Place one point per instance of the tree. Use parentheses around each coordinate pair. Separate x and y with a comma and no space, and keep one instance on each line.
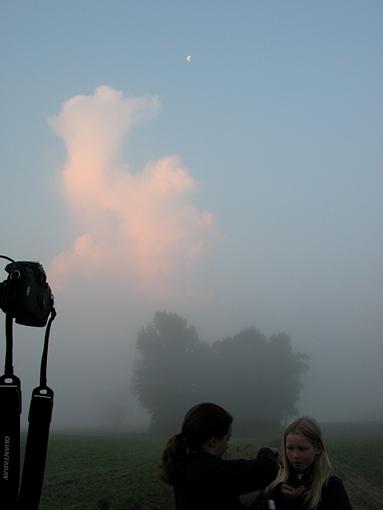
(166,376)
(265,379)
(256,379)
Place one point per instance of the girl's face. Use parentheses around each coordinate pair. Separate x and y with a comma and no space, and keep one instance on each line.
(300,452)
(218,446)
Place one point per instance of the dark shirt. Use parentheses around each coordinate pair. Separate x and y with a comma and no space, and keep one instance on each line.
(211,483)
(333,496)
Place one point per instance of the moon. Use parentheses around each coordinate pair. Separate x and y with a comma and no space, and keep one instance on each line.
(188,58)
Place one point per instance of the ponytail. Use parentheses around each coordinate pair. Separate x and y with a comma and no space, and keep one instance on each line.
(173,458)
(201,422)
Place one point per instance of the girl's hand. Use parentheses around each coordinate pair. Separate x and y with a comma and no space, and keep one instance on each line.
(290,493)
(277,455)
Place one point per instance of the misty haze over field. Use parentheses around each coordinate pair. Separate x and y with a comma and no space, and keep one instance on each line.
(240,187)
(91,356)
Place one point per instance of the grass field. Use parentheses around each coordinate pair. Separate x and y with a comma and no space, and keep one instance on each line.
(119,472)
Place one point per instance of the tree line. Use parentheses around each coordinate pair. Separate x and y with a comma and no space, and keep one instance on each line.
(257,379)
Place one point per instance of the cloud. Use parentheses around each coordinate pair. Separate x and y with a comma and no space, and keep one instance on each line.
(139,225)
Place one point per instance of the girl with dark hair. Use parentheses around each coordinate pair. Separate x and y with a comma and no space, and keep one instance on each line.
(192,463)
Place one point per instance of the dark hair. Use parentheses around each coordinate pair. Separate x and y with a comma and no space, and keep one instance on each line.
(201,422)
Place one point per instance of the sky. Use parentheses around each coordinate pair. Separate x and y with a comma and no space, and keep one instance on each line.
(217,159)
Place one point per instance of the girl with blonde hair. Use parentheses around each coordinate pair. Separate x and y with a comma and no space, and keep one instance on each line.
(306,479)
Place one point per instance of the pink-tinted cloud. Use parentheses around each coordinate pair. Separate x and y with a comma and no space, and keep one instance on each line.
(142,225)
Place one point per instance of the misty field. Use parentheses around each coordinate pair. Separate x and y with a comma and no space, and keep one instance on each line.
(119,472)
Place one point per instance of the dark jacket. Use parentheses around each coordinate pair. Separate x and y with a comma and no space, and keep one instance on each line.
(211,483)
(333,496)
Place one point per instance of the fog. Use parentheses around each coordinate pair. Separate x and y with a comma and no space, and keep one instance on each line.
(295,252)
(93,337)
(240,187)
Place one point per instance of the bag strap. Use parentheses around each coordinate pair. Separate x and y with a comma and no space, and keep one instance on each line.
(40,414)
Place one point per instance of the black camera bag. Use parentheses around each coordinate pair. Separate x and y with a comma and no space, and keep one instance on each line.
(27,296)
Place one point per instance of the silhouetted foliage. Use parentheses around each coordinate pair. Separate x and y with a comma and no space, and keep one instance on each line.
(256,379)
(166,376)
(261,379)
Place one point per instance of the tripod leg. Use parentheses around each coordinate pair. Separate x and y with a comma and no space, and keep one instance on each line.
(10,408)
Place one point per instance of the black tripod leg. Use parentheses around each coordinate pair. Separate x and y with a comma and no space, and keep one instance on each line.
(10,410)
(40,414)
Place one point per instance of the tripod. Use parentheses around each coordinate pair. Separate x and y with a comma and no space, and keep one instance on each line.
(27,496)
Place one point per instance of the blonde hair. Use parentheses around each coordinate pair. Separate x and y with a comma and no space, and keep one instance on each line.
(321,467)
